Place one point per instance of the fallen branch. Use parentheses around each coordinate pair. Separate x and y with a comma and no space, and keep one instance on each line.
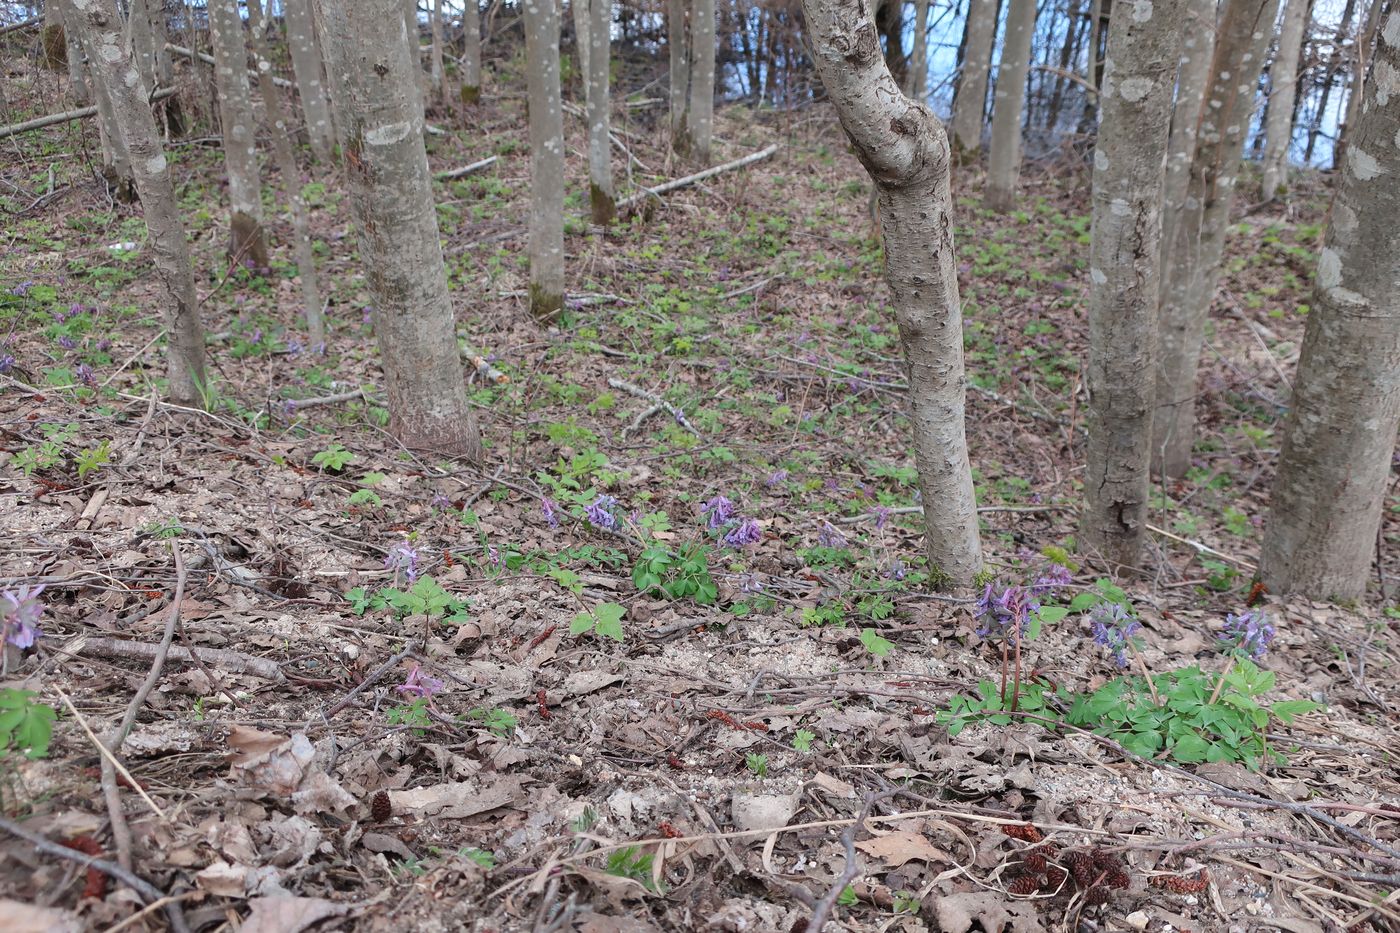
(82,113)
(209,60)
(234,661)
(23,24)
(848,873)
(631,201)
(656,400)
(1200,548)
(466,169)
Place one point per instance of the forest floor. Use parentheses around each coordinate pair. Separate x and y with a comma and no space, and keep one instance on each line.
(307,768)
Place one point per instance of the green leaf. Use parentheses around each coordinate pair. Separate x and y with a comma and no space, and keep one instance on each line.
(609,616)
(583,622)
(1191,748)
(874,643)
(1288,710)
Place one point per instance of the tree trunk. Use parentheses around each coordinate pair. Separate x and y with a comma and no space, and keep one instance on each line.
(701,111)
(116,75)
(678,48)
(600,177)
(1135,109)
(1337,447)
(143,42)
(471,53)
(306,65)
(116,163)
(247,243)
(78,91)
(971,103)
(435,76)
(381,135)
(1197,50)
(1283,85)
(1329,80)
(582,46)
(905,150)
(546,159)
(1360,67)
(1192,268)
(918,63)
(290,175)
(1004,166)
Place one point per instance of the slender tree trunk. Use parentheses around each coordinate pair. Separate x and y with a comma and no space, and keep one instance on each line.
(119,79)
(143,42)
(678,48)
(546,159)
(381,134)
(701,111)
(600,177)
(1283,85)
(905,150)
(247,242)
(918,63)
(290,174)
(1329,80)
(1198,237)
(1069,52)
(1337,447)
(1197,50)
(78,91)
(1360,67)
(435,77)
(116,163)
(971,102)
(471,53)
(1004,166)
(582,46)
(306,65)
(1135,110)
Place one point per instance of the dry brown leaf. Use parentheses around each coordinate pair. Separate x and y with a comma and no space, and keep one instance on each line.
(454,801)
(989,910)
(16,917)
(900,846)
(288,914)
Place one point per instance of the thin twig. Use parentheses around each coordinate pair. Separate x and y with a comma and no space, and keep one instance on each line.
(106,753)
(848,839)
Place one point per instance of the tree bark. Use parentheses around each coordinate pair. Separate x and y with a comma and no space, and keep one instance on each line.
(247,243)
(1192,268)
(381,136)
(678,49)
(546,159)
(905,150)
(1283,85)
(701,110)
(1135,105)
(306,66)
(918,61)
(471,53)
(582,47)
(1360,67)
(1197,50)
(1004,166)
(435,75)
(600,188)
(118,79)
(78,91)
(116,163)
(1340,436)
(971,102)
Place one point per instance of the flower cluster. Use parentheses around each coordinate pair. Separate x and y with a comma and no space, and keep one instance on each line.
(550,509)
(1000,608)
(735,530)
(1248,632)
(403,560)
(746,531)
(830,537)
(418,684)
(19,615)
(718,511)
(603,513)
(1114,628)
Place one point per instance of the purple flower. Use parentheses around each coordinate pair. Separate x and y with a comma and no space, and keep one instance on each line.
(22,289)
(882,515)
(289,407)
(104,345)
(85,375)
(7,362)
(439,501)
(830,537)
(418,684)
(750,583)
(403,560)
(745,532)
(1052,580)
(776,477)
(718,511)
(600,513)
(550,508)
(294,348)
(896,569)
(1114,629)
(1249,632)
(66,342)
(999,608)
(493,557)
(19,615)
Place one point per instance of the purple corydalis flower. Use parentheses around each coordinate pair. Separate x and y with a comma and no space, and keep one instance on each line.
(1113,629)
(746,532)
(294,348)
(830,537)
(600,513)
(550,509)
(85,375)
(19,615)
(66,342)
(1052,580)
(776,477)
(882,515)
(896,570)
(418,684)
(7,362)
(999,608)
(22,289)
(440,501)
(718,511)
(1248,632)
(403,560)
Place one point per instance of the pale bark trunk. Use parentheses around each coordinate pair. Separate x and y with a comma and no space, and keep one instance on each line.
(143,42)
(276,116)
(1135,106)
(1360,67)
(918,63)
(546,159)
(1283,85)
(78,91)
(116,163)
(1004,161)
(1192,268)
(381,134)
(471,53)
(306,66)
(678,48)
(582,46)
(701,111)
(247,242)
(905,150)
(1337,447)
(601,197)
(435,76)
(1197,50)
(117,75)
(971,101)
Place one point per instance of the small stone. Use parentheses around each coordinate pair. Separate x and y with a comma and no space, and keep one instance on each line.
(1137,920)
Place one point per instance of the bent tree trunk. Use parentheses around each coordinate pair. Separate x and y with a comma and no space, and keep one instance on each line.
(1283,85)
(381,137)
(116,76)
(247,243)
(600,178)
(1192,268)
(546,160)
(1135,106)
(904,148)
(1004,162)
(306,66)
(1337,447)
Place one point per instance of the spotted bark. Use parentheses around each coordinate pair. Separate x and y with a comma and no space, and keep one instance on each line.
(971,102)
(1004,161)
(247,242)
(546,159)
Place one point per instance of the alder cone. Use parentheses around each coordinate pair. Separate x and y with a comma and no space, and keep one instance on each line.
(1024,885)
(379,807)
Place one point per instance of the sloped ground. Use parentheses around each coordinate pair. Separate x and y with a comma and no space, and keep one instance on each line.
(446,755)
